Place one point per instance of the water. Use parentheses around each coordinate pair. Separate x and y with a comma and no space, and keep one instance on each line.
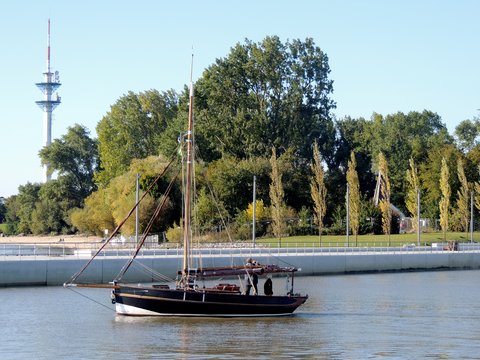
(432,315)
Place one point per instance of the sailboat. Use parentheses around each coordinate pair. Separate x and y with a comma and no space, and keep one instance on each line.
(189,297)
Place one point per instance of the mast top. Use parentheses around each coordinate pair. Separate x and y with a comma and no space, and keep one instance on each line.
(48,47)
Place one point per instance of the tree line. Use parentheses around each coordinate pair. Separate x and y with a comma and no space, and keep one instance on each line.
(264,110)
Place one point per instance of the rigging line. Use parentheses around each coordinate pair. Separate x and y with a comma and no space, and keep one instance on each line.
(146,270)
(154,273)
(278,258)
(75,276)
(89,298)
(148,228)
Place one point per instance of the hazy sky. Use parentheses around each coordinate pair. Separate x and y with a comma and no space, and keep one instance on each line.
(385,56)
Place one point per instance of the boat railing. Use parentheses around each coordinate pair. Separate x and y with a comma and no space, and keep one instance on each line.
(73,250)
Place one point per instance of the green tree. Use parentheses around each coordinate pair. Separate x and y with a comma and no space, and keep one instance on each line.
(318,189)
(430,174)
(74,156)
(232,180)
(399,137)
(466,133)
(20,207)
(353,135)
(52,208)
(463,197)
(384,200)
(3,209)
(355,196)
(277,198)
(444,205)
(210,214)
(412,191)
(264,95)
(477,192)
(132,129)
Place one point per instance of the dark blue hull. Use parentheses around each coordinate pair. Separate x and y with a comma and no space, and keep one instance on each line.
(148,300)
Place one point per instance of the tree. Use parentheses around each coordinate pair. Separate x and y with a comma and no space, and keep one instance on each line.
(132,130)
(261,212)
(399,137)
(53,206)
(276,197)
(430,174)
(444,205)
(96,214)
(108,206)
(412,193)
(20,207)
(466,133)
(244,220)
(209,213)
(353,135)
(231,180)
(3,209)
(75,156)
(463,197)
(477,192)
(318,189)
(354,198)
(384,199)
(264,95)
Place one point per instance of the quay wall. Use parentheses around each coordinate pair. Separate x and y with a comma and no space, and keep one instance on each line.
(56,271)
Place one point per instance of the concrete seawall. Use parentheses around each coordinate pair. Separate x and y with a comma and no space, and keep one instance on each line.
(56,271)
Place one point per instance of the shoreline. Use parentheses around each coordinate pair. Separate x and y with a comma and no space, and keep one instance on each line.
(56,269)
(56,239)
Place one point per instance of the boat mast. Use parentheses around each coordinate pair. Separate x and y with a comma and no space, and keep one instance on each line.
(188,185)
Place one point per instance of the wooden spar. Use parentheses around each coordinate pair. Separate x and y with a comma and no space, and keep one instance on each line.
(188,184)
(75,276)
(241,270)
(96,286)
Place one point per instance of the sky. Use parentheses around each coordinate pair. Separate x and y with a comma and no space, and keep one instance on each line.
(385,57)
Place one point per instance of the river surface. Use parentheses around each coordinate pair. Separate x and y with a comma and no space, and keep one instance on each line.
(422,315)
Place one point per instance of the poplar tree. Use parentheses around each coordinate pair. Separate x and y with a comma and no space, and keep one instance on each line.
(318,189)
(477,192)
(445,200)
(354,198)
(463,195)
(412,191)
(385,195)
(277,198)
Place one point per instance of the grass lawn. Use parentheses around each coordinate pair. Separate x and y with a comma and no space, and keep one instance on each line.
(366,240)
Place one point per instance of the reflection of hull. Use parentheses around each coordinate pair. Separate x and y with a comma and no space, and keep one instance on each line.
(146,300)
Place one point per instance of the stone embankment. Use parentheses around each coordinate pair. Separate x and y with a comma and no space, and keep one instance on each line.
(34,266)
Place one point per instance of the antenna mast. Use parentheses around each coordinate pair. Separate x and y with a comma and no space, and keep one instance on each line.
(51,82)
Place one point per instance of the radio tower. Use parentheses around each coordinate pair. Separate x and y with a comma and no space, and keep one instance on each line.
(51,82)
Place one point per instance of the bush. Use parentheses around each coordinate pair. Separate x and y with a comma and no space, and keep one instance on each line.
(7,229)
(175,234)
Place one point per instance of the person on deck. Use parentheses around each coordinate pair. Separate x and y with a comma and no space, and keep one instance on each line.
(255,282)
(268,287)
(248,284)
